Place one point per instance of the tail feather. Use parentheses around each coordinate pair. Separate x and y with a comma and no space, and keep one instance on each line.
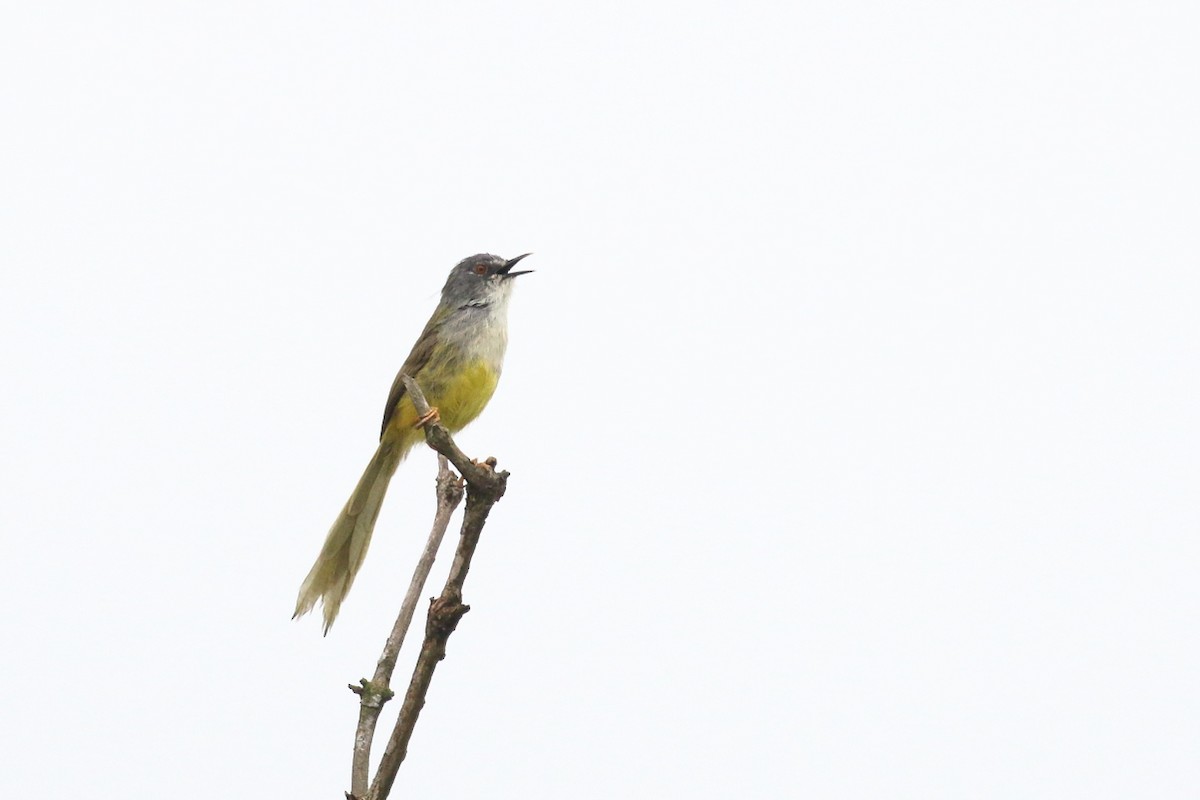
(345,547)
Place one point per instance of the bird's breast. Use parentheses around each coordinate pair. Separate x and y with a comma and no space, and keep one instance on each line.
(467,393)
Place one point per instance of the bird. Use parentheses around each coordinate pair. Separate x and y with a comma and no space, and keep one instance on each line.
(457,362)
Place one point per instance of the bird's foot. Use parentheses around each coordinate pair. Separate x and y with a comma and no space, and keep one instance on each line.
(433,417)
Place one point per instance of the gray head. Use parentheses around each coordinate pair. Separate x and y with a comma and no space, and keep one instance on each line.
(480,280)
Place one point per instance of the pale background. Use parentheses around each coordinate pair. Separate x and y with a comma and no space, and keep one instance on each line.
(851,411)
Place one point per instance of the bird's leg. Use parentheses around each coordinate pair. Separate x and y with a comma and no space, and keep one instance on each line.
(432,417)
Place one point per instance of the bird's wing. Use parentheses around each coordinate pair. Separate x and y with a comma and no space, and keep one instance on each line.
(418,358)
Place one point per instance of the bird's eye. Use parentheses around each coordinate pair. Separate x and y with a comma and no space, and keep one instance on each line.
(480,269)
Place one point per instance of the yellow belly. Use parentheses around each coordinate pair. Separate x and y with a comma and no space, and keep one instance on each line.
(459,398)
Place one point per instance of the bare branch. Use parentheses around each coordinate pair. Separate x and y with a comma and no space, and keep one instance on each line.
(377,691)
(484,487)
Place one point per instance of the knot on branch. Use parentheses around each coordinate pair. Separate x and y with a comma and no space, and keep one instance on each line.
(444,614)
(370,694)
(485,482)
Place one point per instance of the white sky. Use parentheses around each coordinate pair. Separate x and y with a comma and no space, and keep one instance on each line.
(850,411)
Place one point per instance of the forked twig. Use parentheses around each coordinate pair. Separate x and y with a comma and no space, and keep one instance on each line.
(484,486)
(377,691)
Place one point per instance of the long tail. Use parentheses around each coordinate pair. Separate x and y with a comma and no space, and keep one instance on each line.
(345,547)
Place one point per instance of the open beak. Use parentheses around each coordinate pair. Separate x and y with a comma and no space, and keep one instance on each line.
(506,270)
